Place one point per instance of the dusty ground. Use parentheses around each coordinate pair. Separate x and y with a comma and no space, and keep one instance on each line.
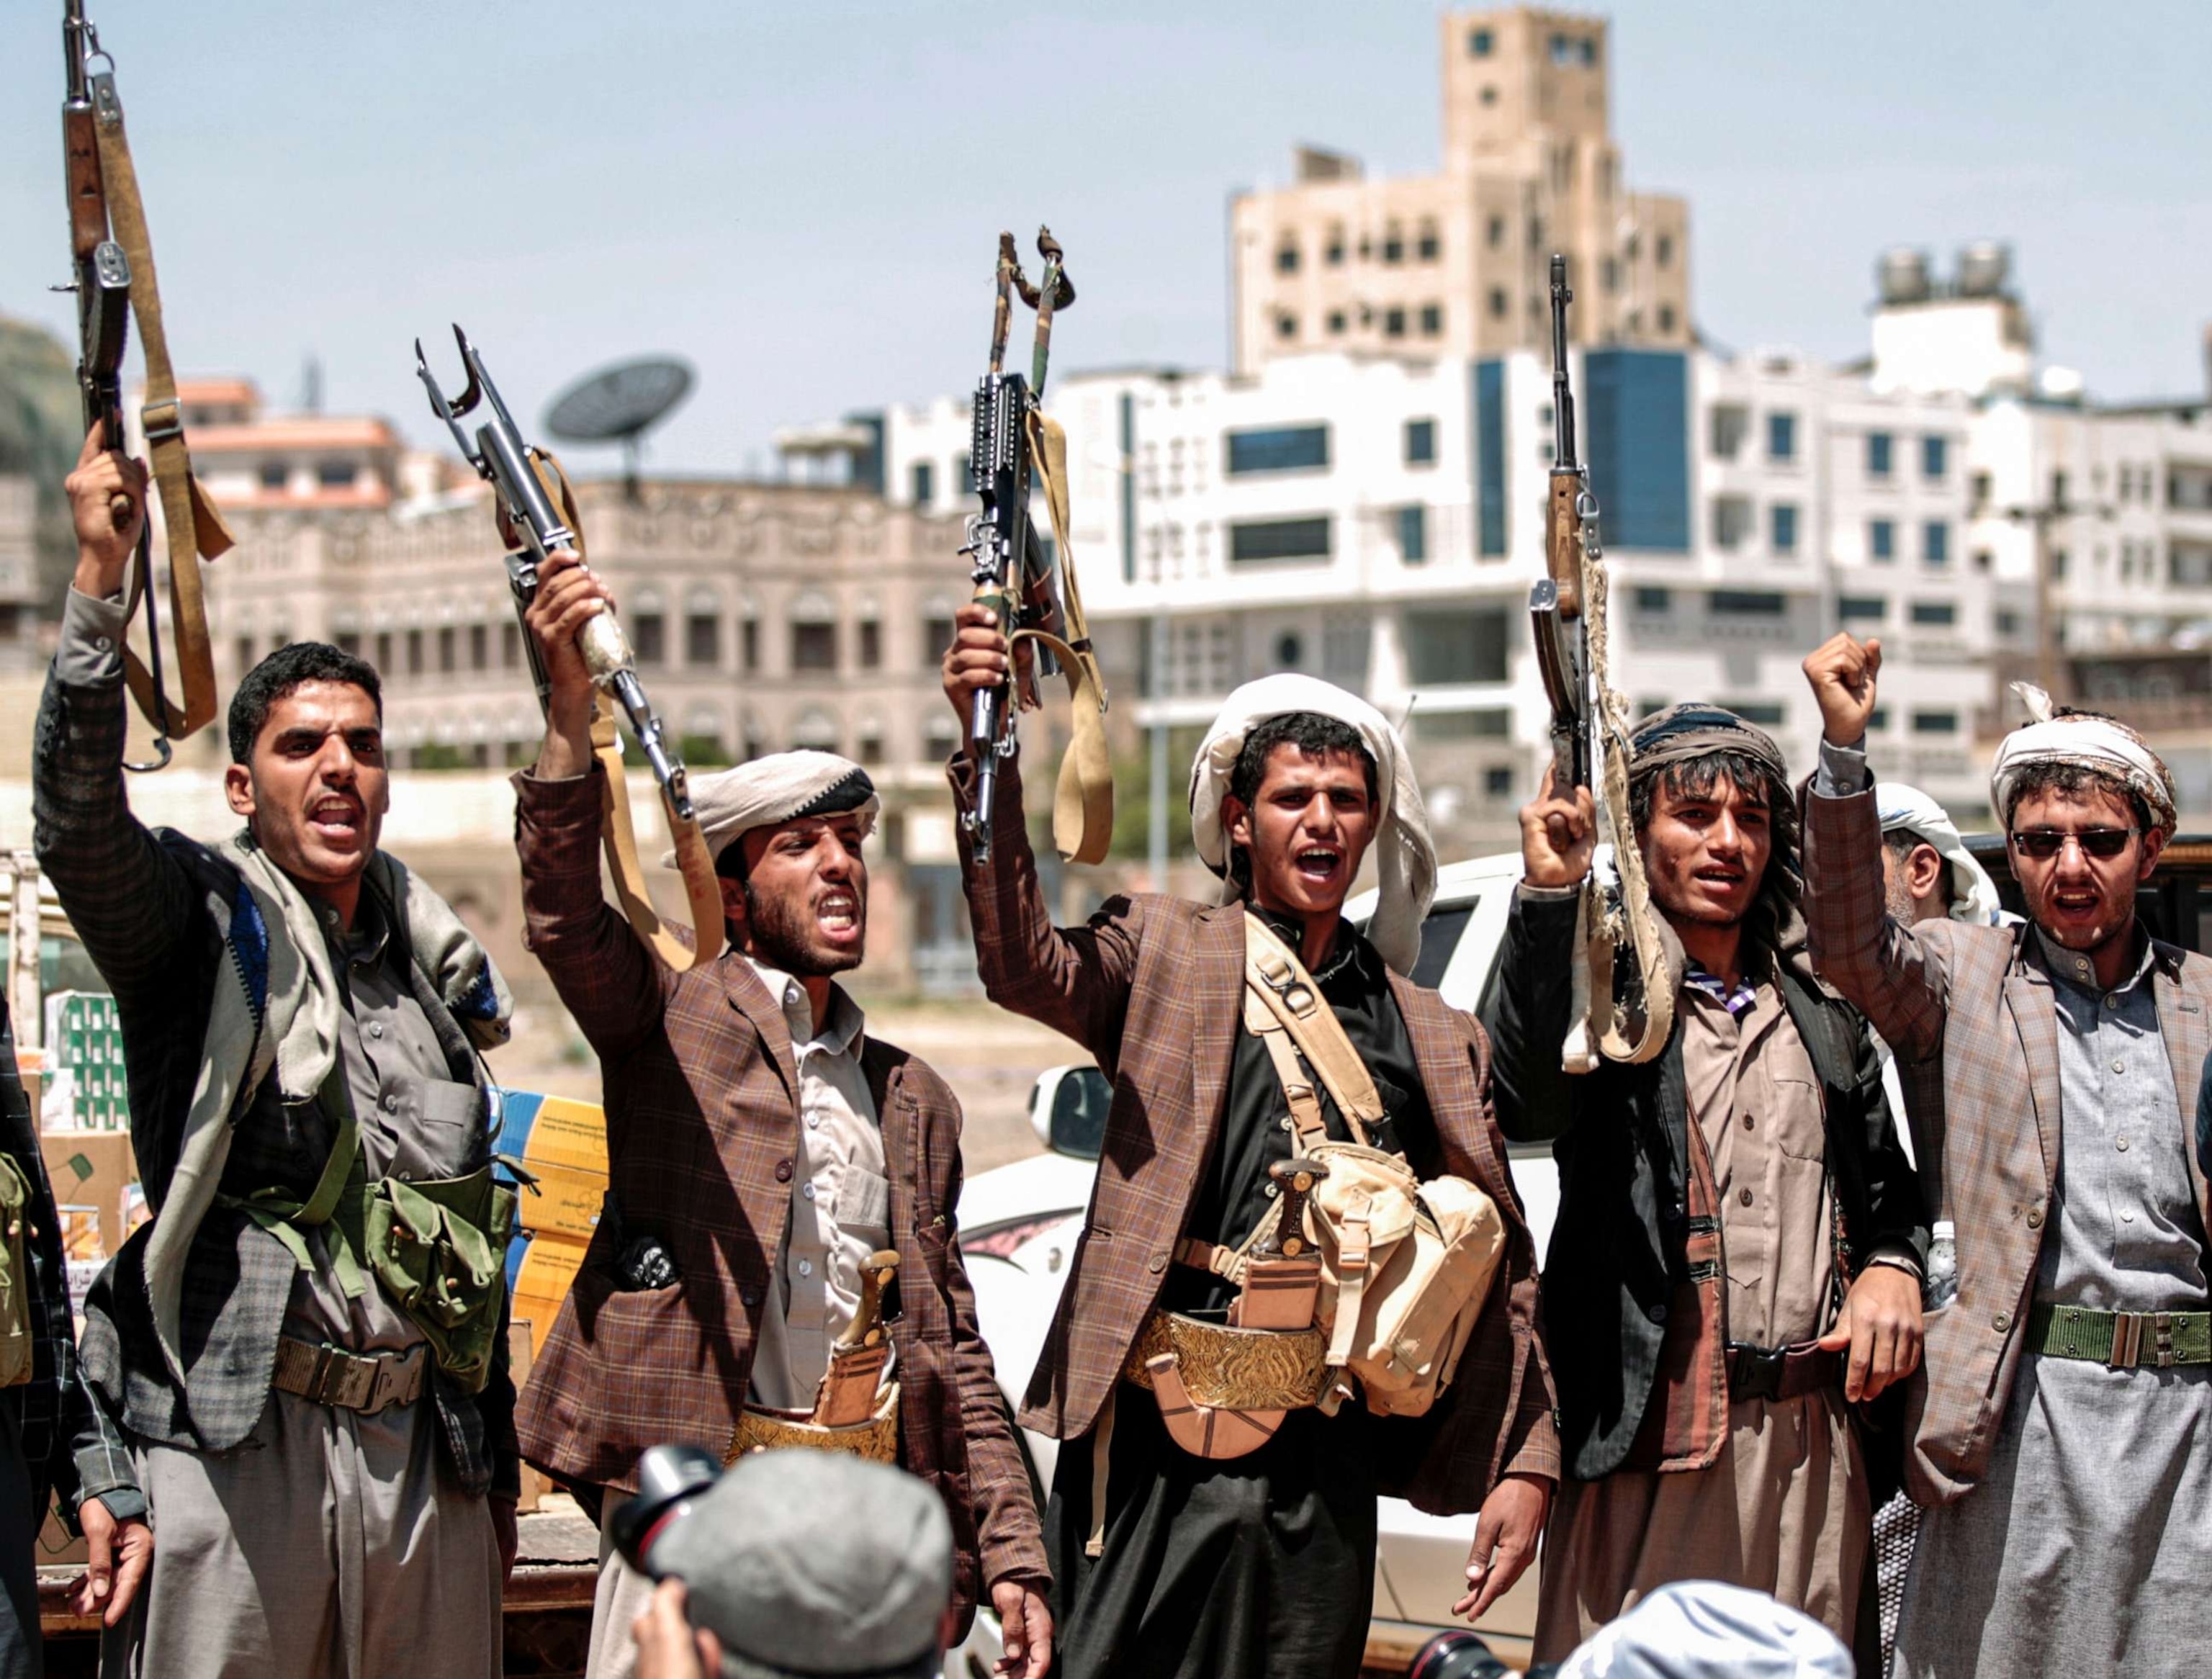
(989,1057)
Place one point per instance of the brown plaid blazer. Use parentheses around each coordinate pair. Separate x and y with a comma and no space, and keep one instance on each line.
(1968,1012)
(1153,987)
(703,1125)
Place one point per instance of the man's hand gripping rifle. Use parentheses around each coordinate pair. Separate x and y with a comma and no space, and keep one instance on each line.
(1630,1014)
(1031,591)
(112,259)
(537,513)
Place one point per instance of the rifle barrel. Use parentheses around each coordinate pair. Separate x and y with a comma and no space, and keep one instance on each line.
(1563,396)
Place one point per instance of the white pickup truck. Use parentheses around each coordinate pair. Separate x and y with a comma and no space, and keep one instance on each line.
(1018,1229)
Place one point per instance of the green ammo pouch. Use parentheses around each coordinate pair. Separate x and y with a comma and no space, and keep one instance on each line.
(16,1340)
(439,1246)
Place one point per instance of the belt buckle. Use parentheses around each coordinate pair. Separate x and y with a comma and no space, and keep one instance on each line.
(1755,1373)
(2129,1328)
(343,1380)
(394,1378)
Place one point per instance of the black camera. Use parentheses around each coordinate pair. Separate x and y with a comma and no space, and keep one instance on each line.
(1465,1655)
(671,1479)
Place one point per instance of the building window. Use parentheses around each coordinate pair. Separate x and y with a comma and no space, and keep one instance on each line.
(1286,325)
(2005,622)
(1745,604)
(1257,540)
(963,476)
(1782,437)
(335,474)
(348,641)
(1638,420)
(1934,722)
(1731,522)
(1494,235)
(1662,250)
(813,647)
(1935,456)
(1862,608)
(1490,457)
(1654,600)
(510,647)
(1765,714)
(1286,258)
(703,640)
(1498,782)
(1608,274)
(1394,244)
(648,637)
(274,475)
(1498,304)
(384,665)
(1878,451)
(1432,320)
(1881,539)
(1393,323)
(871,645)
(1445,648)
(1666,317)
(1420,442)
(1478,43)
(447,644)
(1413,534)
(1278,449)
(1336,323)
(923,475)
(479,647)
(868,744)
(937,628)
(1782,527)
(1934,614)
(1430,246)
(748,644)
(814,731)
(1935,542)
(414,653)
(1725,426)
(244,647)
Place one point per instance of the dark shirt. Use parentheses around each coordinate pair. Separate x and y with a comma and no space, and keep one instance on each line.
(1255,1126)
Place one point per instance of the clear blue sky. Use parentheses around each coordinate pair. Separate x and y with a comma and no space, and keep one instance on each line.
(802,198)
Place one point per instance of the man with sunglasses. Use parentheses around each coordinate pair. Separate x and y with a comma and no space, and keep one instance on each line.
(2055,1064)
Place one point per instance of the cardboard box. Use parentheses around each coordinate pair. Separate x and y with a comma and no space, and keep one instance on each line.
(94,1169)
(521,1345)
(563,1144)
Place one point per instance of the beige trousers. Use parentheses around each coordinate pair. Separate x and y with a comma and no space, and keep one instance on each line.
(621,1595)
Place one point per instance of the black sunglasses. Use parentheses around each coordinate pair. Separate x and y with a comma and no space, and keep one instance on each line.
(2045,843)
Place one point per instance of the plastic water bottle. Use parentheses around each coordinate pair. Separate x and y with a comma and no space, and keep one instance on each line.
(1942,1264)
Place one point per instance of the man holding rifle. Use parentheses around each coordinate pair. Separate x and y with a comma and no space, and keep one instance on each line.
(2059,1434)
(770,1161)
(312,1378)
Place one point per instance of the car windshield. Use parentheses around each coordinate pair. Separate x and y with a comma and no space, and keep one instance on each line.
(1440,936)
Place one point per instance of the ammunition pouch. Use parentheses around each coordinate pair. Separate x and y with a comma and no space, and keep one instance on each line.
(760,1428)
(439,1247)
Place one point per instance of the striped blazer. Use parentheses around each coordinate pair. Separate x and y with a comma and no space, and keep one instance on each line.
(1970,1015)
(1152,987)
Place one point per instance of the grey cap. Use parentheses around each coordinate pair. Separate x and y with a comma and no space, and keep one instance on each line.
(814,1563)
(1703,1629)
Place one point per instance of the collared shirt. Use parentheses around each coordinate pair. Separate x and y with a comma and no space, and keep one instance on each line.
(839,1198)
(416,1122)
(1756,1099)
(2128,1234)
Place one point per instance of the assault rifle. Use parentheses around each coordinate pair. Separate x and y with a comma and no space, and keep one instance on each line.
(1630,1015)
(113,260)
(1012,574)
(537,513)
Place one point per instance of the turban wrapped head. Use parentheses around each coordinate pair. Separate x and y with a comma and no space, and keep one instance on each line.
(2103,746)
(1405,857)
(1907,809)
(782,788)
(1694,729)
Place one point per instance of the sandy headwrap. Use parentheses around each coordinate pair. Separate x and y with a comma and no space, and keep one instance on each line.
(1692,729)
(1405,858)
(780,787)
(1907,809)
(2100,744)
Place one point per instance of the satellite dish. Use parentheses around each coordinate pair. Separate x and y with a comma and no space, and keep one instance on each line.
(620,404)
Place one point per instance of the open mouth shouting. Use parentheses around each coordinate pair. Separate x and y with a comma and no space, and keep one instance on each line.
(837,918)
(337,820)
(1317,866)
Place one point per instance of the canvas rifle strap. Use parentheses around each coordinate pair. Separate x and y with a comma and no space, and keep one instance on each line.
(702,892)
(1083,800)
(194,527)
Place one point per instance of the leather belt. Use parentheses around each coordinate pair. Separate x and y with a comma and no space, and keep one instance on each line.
(2121,1339)
(350,1381)
(1781,1372)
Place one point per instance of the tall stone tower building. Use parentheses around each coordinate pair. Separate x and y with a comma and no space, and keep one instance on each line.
(1457,263)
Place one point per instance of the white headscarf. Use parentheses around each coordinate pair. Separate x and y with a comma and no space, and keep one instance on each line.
(2110,749)
(732,803)
(1405,859)
(1908,810)
(1702,1629)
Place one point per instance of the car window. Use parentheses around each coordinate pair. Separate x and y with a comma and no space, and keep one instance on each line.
(1440,936)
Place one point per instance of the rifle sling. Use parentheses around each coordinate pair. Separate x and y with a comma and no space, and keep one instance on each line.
(193,525)
(702,892)
(1083,799)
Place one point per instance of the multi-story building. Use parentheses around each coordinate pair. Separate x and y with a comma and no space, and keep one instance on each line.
(1457,263)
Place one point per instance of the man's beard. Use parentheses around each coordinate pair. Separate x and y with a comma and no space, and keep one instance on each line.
(781,932)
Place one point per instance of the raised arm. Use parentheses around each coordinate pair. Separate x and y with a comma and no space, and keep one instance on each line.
(1075,980)
(1527,1017)
(608,980)
(126,897)
(1894,977)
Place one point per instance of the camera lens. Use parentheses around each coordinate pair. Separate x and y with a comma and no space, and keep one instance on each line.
(668,1478)
(1456,1656)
